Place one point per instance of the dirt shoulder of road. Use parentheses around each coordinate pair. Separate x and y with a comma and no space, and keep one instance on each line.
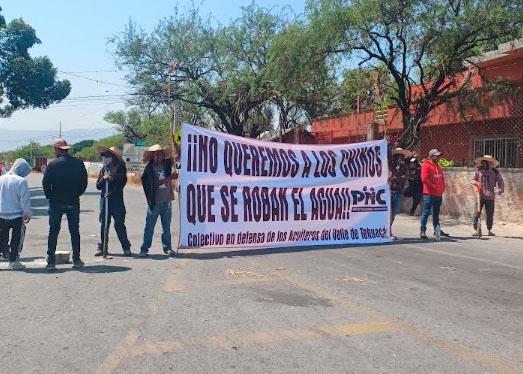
(460,228)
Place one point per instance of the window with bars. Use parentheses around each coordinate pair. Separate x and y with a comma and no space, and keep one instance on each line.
(503,149)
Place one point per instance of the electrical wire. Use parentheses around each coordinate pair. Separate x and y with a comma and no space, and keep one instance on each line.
(94,80)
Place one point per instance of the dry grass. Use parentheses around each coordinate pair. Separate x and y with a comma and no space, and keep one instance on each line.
(134,179)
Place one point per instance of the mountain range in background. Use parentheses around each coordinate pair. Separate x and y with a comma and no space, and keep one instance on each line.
(12,139)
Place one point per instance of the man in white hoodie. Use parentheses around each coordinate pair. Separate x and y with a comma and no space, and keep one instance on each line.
(15,210)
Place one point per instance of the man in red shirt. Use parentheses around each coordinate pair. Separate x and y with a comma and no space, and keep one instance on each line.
(433,181)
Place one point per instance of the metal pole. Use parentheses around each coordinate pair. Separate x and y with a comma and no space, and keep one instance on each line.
(106,220)
(171,103)
(60,130)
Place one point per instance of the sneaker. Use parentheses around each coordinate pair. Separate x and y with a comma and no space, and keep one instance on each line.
(475,233)
(142,254)
(78,264)
(16,265)
(490,233)
(423,235)
(50,267)
(99,253)
(437,232)
(127,253)
(171,253)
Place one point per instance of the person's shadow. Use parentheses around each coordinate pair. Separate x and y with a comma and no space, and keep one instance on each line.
(90,269)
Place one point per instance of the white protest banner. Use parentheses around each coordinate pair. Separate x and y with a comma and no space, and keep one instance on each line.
(241,192)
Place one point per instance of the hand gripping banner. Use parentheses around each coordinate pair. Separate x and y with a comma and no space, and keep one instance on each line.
(240,192)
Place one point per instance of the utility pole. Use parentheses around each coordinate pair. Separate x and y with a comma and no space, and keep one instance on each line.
(60,136)
(30,149)
(170,102)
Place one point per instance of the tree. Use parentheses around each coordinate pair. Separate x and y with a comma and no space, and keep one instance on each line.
(30,151)
(428,48)
(364,89)
(91,153)
(136,124)
(77,147)
(25,82)
(304,82)
(218,73)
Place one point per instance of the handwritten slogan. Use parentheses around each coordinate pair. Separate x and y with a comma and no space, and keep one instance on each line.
(240,192)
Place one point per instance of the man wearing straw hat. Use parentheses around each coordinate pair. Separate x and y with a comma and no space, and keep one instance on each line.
(486,179)
(65,180)
(114,173)
(399,175)
(157,186)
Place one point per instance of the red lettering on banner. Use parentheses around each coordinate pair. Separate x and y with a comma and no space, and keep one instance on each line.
(202,154)
(260,204)
(200,202)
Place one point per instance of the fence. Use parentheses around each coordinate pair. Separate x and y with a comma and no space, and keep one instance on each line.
(496,130)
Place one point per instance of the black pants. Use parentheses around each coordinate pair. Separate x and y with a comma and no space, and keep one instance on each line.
(489,208)
(117,213)
(55,222)
(15,227)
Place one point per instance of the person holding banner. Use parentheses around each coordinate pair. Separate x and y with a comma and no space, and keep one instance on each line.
(114,173)
(15,210)
(157,185)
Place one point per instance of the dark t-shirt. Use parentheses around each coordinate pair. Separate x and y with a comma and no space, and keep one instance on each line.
(165,192)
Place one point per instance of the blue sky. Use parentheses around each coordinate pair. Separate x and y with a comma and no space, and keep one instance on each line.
(74,35)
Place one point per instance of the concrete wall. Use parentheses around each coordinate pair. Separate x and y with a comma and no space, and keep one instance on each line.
(459,200)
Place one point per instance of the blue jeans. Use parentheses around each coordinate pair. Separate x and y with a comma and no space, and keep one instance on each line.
(431,204)
(395,206)
(164,210)
(117,212)
(56,212)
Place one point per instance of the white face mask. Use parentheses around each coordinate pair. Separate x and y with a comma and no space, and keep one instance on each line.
(107,160)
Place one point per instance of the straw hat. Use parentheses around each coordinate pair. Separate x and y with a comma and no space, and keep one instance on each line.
(493,162)
(148,155)
(400,151)
(113,150)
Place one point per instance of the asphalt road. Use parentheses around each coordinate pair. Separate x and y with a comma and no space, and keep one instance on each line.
(454,306)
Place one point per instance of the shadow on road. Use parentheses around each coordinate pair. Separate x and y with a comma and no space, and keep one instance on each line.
(269,251)
(96,269)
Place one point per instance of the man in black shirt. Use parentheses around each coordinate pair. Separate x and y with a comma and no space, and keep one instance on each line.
(65,180)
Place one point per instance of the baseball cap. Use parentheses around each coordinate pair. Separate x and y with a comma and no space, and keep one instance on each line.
(61,143)
(434,152)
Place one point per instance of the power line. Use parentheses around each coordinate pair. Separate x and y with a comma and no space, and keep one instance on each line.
(91,71)
(77,105)
(94,80)
(96,96)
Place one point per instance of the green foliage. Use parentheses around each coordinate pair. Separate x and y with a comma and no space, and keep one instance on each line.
(91,153)
(77,147)
(365,89)
(25,82)
(303,80)
(444,163)
(30,151)
(219,73)
(137,125)
(431,45)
